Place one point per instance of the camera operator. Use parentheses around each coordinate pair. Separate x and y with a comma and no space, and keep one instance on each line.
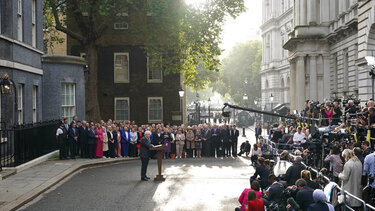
(274,193)
(350,109)
(337,113)
(263,173)
(299,138)
(335,162)
(294,172)
(304,195)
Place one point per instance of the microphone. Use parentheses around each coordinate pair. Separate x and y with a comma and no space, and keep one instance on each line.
(293,203)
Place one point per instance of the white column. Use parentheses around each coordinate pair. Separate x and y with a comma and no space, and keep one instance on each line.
(311,18)
(300,82)
(297,10)
(303,12)
(313,78)
(326,77)
(292,88)
(324,11)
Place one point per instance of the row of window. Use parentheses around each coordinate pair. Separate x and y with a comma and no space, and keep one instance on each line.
(121,108)
(121,68)
(20,21)
(155,109)
(20,102)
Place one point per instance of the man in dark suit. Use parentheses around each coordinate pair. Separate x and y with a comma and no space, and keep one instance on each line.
(304,195)
(83,139)
(226,141)
(274,192)
(215,140)
(72,140)
(234,133)
(263,172)
(206,137)
(145,154)
(294,171)
(91,141)
(258,132)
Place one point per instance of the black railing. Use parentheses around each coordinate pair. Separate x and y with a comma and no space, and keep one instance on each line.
(23,143)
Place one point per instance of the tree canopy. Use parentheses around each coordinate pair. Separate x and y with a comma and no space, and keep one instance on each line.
(186,37)
(242,64)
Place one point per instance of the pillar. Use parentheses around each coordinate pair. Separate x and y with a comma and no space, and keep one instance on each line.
(297,10)
(326,77)
(300,82)
(313,78)
(303,12)
(311,18)
(292,85)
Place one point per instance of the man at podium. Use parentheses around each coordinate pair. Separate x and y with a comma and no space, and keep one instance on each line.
(145,154)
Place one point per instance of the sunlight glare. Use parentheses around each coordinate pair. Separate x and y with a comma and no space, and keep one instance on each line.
(195,3)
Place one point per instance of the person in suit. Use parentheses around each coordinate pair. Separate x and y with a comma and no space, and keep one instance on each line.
(75,121)
(125,139)
(294,171)
(234,133)
(263,172)
(226,141)
(92,137)
(215,138)
(61,137)
(206,137)
(83,139)
(258,132)
(66,125)
(111,142)
(274,192)
(304,195)
(144,154)
(72,140)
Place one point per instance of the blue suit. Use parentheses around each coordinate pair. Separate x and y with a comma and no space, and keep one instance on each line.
(125,138)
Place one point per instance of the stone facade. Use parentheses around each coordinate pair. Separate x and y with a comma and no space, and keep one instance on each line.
(326,49)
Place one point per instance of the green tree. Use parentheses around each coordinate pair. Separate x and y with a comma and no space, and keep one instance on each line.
(184,36)
(242,64)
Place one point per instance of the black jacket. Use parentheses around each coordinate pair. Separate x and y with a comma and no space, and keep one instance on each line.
(263,173)
(294,173)
(234,134)
(83,135)
(91,136)
(145,148)
(72,133)
(275,192)
(225,135)
(304,198)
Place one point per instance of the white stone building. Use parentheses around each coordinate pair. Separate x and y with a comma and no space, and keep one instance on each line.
(326,42)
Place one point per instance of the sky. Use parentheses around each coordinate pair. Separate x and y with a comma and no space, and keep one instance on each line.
(244,28)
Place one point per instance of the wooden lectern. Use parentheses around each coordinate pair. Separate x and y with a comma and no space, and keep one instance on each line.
(159,155)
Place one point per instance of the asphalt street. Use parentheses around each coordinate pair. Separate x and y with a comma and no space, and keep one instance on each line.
(191,184)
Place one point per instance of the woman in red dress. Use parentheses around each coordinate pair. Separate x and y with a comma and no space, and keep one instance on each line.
(99,141)
(254,204)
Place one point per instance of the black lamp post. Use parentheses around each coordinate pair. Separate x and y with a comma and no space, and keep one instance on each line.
(181,92)
(209,111)
(6,90)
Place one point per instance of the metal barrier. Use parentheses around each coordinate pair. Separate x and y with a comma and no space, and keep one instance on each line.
(23,143)
(274,149)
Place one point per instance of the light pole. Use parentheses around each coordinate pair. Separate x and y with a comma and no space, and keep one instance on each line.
(209,111)
(245,98)
(6,90)
(181,92)
(271,99)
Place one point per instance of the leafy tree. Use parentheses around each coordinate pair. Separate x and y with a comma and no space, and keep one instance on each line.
(242,64)
(184,36)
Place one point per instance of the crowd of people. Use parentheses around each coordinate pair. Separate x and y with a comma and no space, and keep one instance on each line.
(113,139)
(342,138)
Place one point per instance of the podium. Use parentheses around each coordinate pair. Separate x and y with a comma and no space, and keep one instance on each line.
(159,154)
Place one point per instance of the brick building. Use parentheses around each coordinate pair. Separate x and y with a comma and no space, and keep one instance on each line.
(131,85)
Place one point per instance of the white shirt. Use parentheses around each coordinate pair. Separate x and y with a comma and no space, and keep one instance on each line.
(59,131)
(299,137)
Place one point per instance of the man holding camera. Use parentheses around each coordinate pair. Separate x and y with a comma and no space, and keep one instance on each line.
(274,193)
(304,196)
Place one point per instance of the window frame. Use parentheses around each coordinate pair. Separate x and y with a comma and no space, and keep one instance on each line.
(150,68)
(20,20)
(20,100)
(148,110)
(114,67)
(71,106)
(115,108)
(35,104)
(33,23)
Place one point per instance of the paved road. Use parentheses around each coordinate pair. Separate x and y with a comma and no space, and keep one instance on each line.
(192,184)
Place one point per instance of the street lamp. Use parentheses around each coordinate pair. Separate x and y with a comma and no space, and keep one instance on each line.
(209,111)
(181,92)
(5,86)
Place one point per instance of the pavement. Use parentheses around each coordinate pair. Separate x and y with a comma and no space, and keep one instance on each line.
(192,184)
